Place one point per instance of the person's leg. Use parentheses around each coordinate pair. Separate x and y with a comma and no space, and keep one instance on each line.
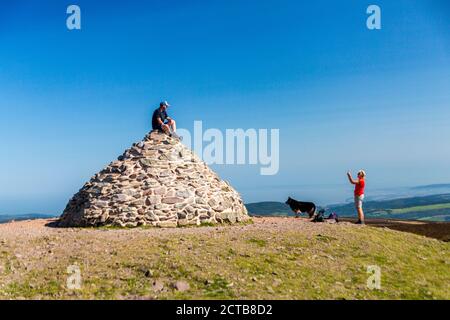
(360,214)
(173,125)
(165,128)
(172,129)
(357,207)
(359,210)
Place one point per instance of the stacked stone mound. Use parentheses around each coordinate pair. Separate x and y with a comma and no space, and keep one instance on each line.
(157,182)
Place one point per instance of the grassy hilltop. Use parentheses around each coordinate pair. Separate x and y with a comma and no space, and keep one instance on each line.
(272,258)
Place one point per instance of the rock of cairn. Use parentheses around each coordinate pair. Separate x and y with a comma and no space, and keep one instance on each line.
(157,182)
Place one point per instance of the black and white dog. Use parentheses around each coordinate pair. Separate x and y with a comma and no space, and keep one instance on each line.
(301,207)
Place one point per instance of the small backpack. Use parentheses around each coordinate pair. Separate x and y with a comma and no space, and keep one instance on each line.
(318,217)
(334,216)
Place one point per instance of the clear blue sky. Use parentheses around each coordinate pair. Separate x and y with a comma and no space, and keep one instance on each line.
(343,97)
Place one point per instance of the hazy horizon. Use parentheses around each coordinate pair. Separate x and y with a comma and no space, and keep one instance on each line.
(344,97)
(323,195)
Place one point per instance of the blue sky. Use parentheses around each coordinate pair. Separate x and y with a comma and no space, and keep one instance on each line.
(343,97)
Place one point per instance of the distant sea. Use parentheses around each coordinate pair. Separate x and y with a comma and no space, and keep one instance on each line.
(4,218)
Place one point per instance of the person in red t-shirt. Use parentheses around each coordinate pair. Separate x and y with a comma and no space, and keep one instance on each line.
(359,193)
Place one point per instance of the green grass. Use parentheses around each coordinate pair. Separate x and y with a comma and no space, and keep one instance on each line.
(234,262)
(421,208)
(258,242)
(440,218)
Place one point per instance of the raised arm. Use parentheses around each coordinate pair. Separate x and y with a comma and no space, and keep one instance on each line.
(349,175)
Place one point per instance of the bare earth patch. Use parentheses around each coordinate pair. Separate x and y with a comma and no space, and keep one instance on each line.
(273,258)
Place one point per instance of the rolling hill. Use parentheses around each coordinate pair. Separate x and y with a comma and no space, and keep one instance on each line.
(268,208)
(429,208)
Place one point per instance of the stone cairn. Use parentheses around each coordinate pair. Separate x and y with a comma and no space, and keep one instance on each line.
(157,182)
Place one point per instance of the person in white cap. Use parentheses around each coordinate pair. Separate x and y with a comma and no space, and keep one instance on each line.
(162,122)
(360,184)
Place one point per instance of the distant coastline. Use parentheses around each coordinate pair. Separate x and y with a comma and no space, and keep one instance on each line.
(5,218)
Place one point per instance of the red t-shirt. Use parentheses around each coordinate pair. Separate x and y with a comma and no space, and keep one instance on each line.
(359,187)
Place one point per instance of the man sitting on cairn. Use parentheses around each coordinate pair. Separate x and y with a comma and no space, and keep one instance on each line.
(162,122)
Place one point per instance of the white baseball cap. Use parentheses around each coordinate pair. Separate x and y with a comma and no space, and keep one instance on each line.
(164,103)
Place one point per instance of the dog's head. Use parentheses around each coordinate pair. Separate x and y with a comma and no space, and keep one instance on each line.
(289,201)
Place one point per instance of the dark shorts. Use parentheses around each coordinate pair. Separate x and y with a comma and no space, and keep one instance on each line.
(159,127)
